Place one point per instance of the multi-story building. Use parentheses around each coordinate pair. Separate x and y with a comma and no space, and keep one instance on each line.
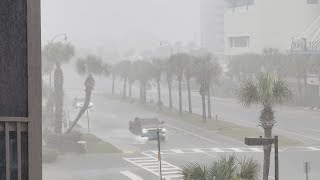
(252,25)
(212,26)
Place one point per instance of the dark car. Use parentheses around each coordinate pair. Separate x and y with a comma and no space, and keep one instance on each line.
(147,127)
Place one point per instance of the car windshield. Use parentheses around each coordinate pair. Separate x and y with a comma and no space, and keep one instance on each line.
(232,86)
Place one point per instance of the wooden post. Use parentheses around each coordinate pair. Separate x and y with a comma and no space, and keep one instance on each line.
(276,156)
(159,153)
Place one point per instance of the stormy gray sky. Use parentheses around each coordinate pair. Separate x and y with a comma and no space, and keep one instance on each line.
(108,25)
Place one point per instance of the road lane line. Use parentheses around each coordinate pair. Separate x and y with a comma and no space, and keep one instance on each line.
(271,177)
(192,134)
(131,175)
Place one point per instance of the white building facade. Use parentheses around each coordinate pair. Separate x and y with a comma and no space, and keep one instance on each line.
(257,24)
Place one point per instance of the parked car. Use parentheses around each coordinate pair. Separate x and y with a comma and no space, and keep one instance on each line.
(148,127)
(79,102)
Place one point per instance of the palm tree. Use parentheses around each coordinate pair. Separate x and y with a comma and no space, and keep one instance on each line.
(158,67)
(206,72)
(88,66)
(122,69)
(225,168)
(180,62)
(188,74)
(169,73)
(143,73)
(58,53)
(268,92)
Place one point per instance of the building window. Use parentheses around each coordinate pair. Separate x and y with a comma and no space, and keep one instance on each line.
(237,42)
(312,1)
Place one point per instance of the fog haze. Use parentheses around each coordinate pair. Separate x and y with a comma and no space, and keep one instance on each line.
(120,24)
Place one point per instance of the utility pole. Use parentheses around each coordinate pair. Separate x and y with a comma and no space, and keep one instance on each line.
(159,154)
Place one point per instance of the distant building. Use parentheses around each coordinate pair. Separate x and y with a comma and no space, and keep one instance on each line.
(212,26)
(252,25)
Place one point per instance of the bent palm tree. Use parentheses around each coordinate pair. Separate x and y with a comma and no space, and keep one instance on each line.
(268,92)
(58,53)
(89,66)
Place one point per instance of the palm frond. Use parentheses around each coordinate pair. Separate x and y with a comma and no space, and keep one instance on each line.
(281,92)
(194,171)
(248,93)
(248,169)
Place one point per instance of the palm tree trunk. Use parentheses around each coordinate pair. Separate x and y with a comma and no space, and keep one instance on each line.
(266,154)
(145,92)
(159,93)
(170,95)
(113,79)
(89,87)
(130,89)
(58,86)
(124,87)
(189,95)
(209,104)
(300,90)
(180,96)
(204,116)
(141,92)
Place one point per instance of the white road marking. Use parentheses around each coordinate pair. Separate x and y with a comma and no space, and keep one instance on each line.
(150,164)
(314,148)
(236,149)
(178,151)
(192,134)
(217,150)
(131,175)
(256,149)
(271,177)
(198,150)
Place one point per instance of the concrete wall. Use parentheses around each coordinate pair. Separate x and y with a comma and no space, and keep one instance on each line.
(269,23)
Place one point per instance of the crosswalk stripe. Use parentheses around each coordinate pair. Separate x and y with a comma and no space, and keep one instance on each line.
(151,160)
(314,148)
(172,176)
(198,150)
(143,164)
(217,150)
(171,172)
(177,151)
(236,149)
(256,149)
(131,175)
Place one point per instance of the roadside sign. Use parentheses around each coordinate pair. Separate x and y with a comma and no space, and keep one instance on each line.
(258,141)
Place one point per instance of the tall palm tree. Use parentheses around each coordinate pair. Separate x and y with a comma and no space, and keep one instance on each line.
(225,168)
(188,74)
(268,92)
(180,62)
(158,67)
(58,53)
(143,73)
(88,66)
(169,73)
(122,69)
(206,72)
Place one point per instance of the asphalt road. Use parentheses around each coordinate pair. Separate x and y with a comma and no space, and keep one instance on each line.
(295,122)
(185,144)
